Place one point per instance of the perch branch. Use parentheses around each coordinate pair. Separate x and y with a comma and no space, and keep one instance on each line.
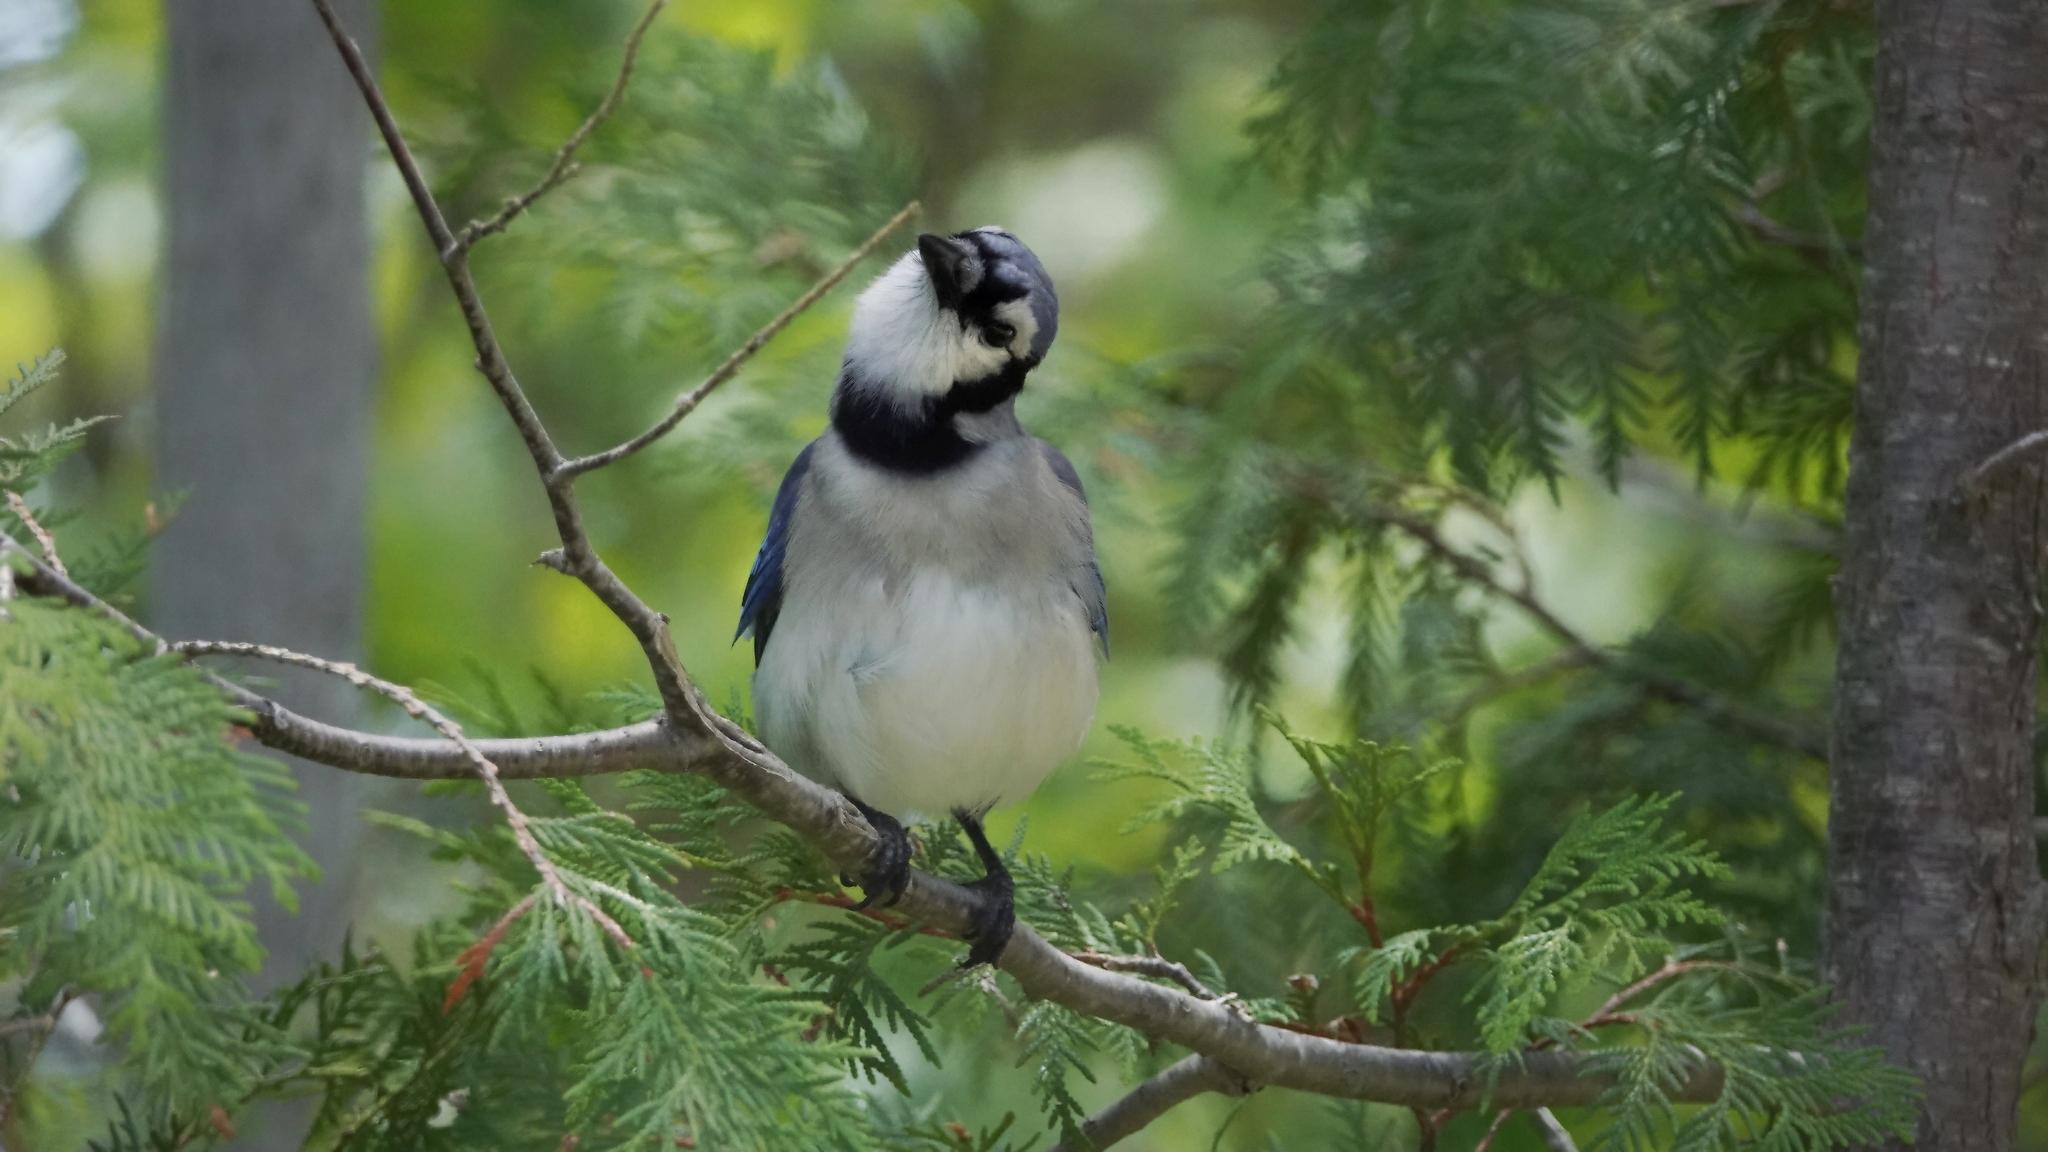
(648,744)
(418,709)
(731,365)
(1154,1098)
(565,166)
(1264,1054)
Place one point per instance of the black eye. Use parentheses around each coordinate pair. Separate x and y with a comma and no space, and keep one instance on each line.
(997,335)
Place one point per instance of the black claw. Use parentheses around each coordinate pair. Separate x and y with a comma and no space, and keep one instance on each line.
(995,917)
(888,870)
(995,914)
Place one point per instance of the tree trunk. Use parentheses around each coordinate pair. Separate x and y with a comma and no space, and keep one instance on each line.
(1935,910)
(265,366)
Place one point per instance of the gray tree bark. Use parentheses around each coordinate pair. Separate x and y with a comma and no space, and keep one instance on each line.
(1935,910)
(265,364)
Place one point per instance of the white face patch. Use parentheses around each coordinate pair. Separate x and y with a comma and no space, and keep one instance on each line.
(1018,315)
(902,341)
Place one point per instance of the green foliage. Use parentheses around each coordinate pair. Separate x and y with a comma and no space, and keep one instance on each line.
(1606,899)
(837,963)
(130,832)
(1610,911)
(698,232)
(26,459)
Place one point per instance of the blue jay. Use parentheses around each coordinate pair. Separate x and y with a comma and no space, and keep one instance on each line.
(926,606)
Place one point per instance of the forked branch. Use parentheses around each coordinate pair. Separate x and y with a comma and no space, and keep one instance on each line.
(439,721)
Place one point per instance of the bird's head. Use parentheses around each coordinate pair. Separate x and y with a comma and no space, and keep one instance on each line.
(973,310)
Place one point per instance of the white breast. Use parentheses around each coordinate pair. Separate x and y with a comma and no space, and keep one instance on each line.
(919,685)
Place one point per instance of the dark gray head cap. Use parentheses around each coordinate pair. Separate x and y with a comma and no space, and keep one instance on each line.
(1009,260)
(975,271)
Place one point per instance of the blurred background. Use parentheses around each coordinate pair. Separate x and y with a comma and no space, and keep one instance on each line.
(1203,180)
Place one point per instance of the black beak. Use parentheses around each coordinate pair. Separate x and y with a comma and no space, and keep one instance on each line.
(950,264)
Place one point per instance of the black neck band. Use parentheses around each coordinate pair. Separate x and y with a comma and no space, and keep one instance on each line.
(921,439)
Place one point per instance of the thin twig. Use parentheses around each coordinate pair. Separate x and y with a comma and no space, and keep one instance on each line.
(44,540)
(679,698)
(730,367)
(1978,479)
(419,709)
(565,166)
(1771,230)
(647,745)
(1500,1120)
(1671,970)
(1752,722)
(27,1060)
(1158,967)
(1555,1137)
(1152,1099)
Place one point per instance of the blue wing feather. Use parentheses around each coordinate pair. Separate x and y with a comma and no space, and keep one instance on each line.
(1095,596)
(761,603)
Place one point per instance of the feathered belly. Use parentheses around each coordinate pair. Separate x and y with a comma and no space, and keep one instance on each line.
(941,696)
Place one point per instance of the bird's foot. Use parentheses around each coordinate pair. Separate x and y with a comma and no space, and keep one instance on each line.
(888,870)
(994,918)
(995,913)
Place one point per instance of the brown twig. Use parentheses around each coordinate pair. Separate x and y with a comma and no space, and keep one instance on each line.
(1158,967)
(44,540)
(579,556)
(1178,1083)
(731,365)
(522,831)
(565,166)
(1500,1120)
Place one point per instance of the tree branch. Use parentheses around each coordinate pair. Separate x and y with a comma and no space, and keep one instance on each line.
(730,367)
(1264,1053)
(522,832)
(734,760)
(1154,1098)
(648,744)
(580,558)
(564,166)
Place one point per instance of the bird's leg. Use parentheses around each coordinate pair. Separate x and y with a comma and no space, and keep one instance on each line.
(888,869)
(995,916)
